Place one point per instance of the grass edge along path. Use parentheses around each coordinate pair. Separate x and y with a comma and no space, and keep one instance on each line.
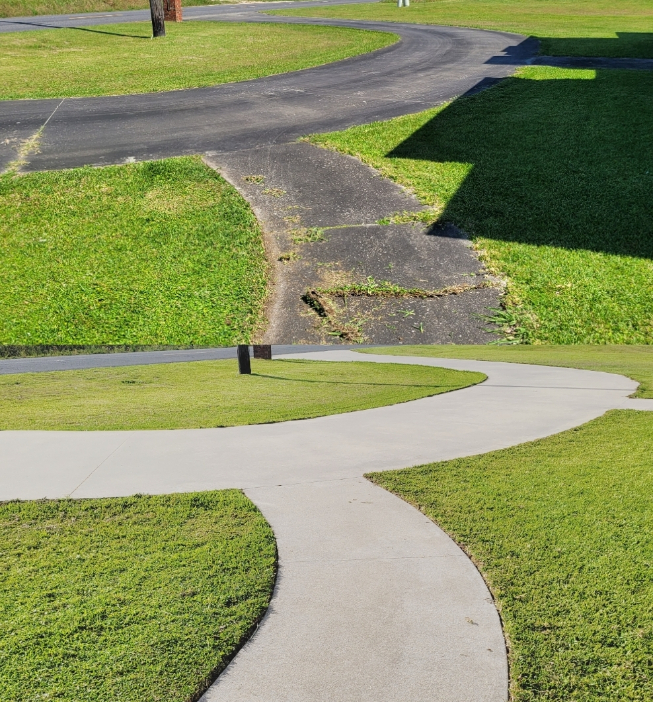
(560,528)
(131,598)
(211,393)
(564,27)
(121,59)
(27,8)
(635,362)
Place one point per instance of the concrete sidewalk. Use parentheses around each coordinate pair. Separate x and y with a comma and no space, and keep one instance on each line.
(373,601)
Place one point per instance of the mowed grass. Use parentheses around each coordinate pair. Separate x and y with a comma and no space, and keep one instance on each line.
(562,530)
(119,59)
(634,362)
(164,252)
(550,173)
(137,599)
(25,8)
(564,27)
(212,394)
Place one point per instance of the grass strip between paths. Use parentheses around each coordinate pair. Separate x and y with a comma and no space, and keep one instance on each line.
(634,362)
(133,599)
(561,529)
(550,173)
(156,253)
(564,27)
(25,8)
(119,59)
(212,394)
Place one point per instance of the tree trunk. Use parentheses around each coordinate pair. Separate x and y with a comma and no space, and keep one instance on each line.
(158,23)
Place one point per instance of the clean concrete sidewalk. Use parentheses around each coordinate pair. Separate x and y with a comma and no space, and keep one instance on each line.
(373,601)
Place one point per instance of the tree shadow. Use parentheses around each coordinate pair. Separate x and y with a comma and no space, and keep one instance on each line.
(79,29)
(565,160)
(351,382)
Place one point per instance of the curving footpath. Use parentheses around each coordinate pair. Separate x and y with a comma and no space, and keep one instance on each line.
(373,602)
(428,66)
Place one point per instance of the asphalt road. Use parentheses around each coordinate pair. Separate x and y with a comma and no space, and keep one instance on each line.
(428,66)
(89,19)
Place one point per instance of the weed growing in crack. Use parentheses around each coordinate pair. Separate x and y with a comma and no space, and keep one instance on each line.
(322,302)
(427,216)
(514,326)
(274,192)
(255,179)
(289,257)
(384,288)
(306,235)
(347,330)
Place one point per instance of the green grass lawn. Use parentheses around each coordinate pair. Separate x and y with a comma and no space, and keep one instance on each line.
(550,172)
(635,362)
(153,253)
(25,8)
(561,529)
(133,599)
(212,394)
(119,59)
(564,27)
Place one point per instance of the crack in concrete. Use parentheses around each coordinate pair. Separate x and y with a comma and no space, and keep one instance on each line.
(332,222)
(97,467)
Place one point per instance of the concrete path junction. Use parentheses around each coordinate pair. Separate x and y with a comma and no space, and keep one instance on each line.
(374,603)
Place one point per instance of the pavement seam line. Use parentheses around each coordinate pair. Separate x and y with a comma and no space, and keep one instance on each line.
(97,467)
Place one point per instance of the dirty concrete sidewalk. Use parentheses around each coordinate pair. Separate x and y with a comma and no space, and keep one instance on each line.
(354,256)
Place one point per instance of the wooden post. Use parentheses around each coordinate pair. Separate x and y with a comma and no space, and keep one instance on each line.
(244,366)
(172,10)
(158,22)
(263,351)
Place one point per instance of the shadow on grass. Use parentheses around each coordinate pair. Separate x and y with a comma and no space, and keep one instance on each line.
(345,382)
(565,160)
(79,29)
(624,45)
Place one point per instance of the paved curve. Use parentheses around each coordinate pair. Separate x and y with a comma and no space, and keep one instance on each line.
(373,602)
(90,19)
(82,361)
(428,66)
